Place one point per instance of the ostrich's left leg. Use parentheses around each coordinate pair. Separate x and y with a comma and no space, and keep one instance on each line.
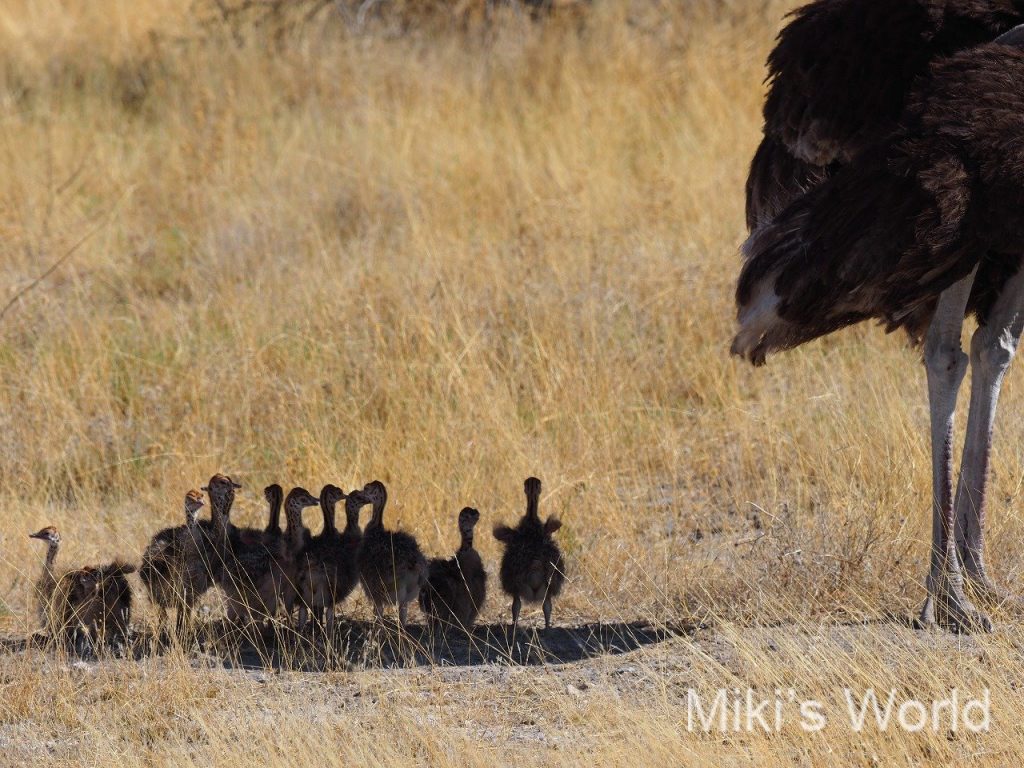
(992,349)
(946,364)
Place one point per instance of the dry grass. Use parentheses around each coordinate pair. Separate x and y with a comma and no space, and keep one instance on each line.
(448,261)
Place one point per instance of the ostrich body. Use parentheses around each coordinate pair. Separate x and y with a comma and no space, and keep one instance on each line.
(840,76)
(260,569)
(286,566)
(327,565)
(86,604)
(245,574)
(112,604)
(176,565)
(918,230)
(96,601)
(392,568)
(341,576)
(457,586)
(532,568)
(347,573)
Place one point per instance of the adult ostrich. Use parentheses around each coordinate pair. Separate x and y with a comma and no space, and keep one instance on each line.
(918,230)
(839,78)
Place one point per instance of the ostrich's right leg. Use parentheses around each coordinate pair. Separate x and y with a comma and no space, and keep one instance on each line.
(946,364)
(992,349)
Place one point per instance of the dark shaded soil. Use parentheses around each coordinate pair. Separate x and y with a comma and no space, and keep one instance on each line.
(367,645)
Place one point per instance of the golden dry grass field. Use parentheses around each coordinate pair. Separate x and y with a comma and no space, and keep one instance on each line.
(450,257)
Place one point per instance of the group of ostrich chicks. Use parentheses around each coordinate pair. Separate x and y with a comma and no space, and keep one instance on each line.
(263,572)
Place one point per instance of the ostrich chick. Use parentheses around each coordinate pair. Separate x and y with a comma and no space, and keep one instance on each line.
(176,565)
(531,568)
(317,567)
(91,603)
(391,567)
(456,587)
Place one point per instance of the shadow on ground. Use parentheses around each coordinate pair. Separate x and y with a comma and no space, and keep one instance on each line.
(369,645)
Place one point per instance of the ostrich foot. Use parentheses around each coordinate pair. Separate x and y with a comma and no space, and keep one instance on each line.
(949,608)
(990,594)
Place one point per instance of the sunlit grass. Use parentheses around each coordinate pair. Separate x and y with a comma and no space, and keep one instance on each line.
(448,260)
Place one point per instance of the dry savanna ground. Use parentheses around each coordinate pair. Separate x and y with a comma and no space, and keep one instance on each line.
(414,244)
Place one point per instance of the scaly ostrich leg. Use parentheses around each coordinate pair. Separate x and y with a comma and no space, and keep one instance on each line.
(946,364)
(992,349)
